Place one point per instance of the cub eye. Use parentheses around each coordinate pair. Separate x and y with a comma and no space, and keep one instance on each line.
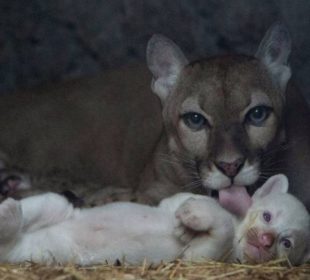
(257,115)
(195,121)
(267,216)
(286,243)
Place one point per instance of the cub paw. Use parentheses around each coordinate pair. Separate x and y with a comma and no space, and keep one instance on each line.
(192,215)
(10,219)
(184,234)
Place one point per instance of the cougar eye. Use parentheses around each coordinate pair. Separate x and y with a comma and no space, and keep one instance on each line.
(267,216)
(257,115)
(286,243)
(195,121)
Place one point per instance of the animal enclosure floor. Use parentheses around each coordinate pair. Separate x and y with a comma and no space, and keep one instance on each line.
(175,270)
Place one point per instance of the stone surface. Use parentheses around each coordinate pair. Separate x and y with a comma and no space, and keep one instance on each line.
(45,40)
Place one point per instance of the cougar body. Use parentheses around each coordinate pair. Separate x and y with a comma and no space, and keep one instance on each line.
(221,121)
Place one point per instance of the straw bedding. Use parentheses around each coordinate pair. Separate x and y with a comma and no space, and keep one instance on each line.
(175,270)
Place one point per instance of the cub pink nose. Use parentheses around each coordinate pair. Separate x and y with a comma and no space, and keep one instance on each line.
(266,240)
(230,169)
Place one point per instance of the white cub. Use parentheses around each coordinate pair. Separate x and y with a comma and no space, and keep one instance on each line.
(46,229)
(274,224)
(277,225)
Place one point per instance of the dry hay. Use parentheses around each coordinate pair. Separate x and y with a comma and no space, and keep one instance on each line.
(174,270)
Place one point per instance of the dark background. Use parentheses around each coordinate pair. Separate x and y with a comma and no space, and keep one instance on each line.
(49,40)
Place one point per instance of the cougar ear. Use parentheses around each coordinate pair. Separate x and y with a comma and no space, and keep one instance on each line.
(274,51)
(275,184)
(165,60)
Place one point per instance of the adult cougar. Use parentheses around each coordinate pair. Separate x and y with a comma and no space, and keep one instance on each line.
(229,120)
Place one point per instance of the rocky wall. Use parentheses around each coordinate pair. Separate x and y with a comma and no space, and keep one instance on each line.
(47,40)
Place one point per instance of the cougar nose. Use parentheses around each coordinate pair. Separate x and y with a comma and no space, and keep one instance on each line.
(266,240)
(230,169)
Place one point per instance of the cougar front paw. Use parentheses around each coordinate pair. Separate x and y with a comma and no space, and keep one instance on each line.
(107,195)
(11,181)
(75,200)
(192,215)
(10,219)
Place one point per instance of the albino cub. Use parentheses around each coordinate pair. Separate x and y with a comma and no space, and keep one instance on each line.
(272,224)
(46,228)
(277,225)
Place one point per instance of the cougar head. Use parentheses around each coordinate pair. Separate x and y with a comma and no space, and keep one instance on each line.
(223,113)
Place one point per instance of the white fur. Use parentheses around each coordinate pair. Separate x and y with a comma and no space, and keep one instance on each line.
(46,229)
(213,178)
(289,220)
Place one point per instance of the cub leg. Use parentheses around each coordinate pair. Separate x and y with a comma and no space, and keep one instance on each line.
(11,220)
(211,229)
(44,210)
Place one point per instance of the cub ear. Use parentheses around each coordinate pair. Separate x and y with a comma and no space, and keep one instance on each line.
(306,257)
(274,51)
(275,184)
(165,60)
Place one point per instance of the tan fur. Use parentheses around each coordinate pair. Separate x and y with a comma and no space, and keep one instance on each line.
(223,90)
(100,130)
(108,129)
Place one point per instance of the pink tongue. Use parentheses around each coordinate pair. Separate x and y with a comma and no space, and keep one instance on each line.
(235,199)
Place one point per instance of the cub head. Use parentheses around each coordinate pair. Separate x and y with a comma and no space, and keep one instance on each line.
(222,113)
(277,225)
